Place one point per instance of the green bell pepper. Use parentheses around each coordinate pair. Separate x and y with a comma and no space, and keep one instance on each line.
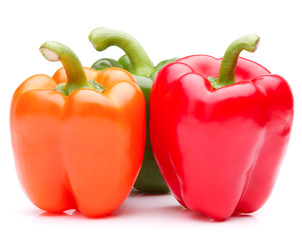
(137,62)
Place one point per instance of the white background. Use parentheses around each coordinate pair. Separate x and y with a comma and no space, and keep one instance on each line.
(166,29)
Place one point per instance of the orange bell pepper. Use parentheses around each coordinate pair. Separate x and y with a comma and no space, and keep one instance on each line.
(80,148)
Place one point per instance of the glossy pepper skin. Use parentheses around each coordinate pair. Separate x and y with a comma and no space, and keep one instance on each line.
(82,151)
(137,62)
(219,142)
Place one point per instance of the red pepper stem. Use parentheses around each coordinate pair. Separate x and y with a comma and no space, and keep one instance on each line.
(102,38)
(229,61)
(76,78)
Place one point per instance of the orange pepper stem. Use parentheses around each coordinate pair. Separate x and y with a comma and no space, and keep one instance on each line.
(76,78)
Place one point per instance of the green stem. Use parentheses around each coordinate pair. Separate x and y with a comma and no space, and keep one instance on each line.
(229,61)
(76,78)
(102,38)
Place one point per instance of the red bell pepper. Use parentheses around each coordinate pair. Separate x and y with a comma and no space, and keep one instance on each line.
(219,130)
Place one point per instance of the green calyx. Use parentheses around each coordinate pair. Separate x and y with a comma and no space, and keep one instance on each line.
(229,61)
(76,78)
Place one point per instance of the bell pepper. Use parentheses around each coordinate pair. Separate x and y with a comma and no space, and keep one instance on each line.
(219,130)
(77,144)
(137,62)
